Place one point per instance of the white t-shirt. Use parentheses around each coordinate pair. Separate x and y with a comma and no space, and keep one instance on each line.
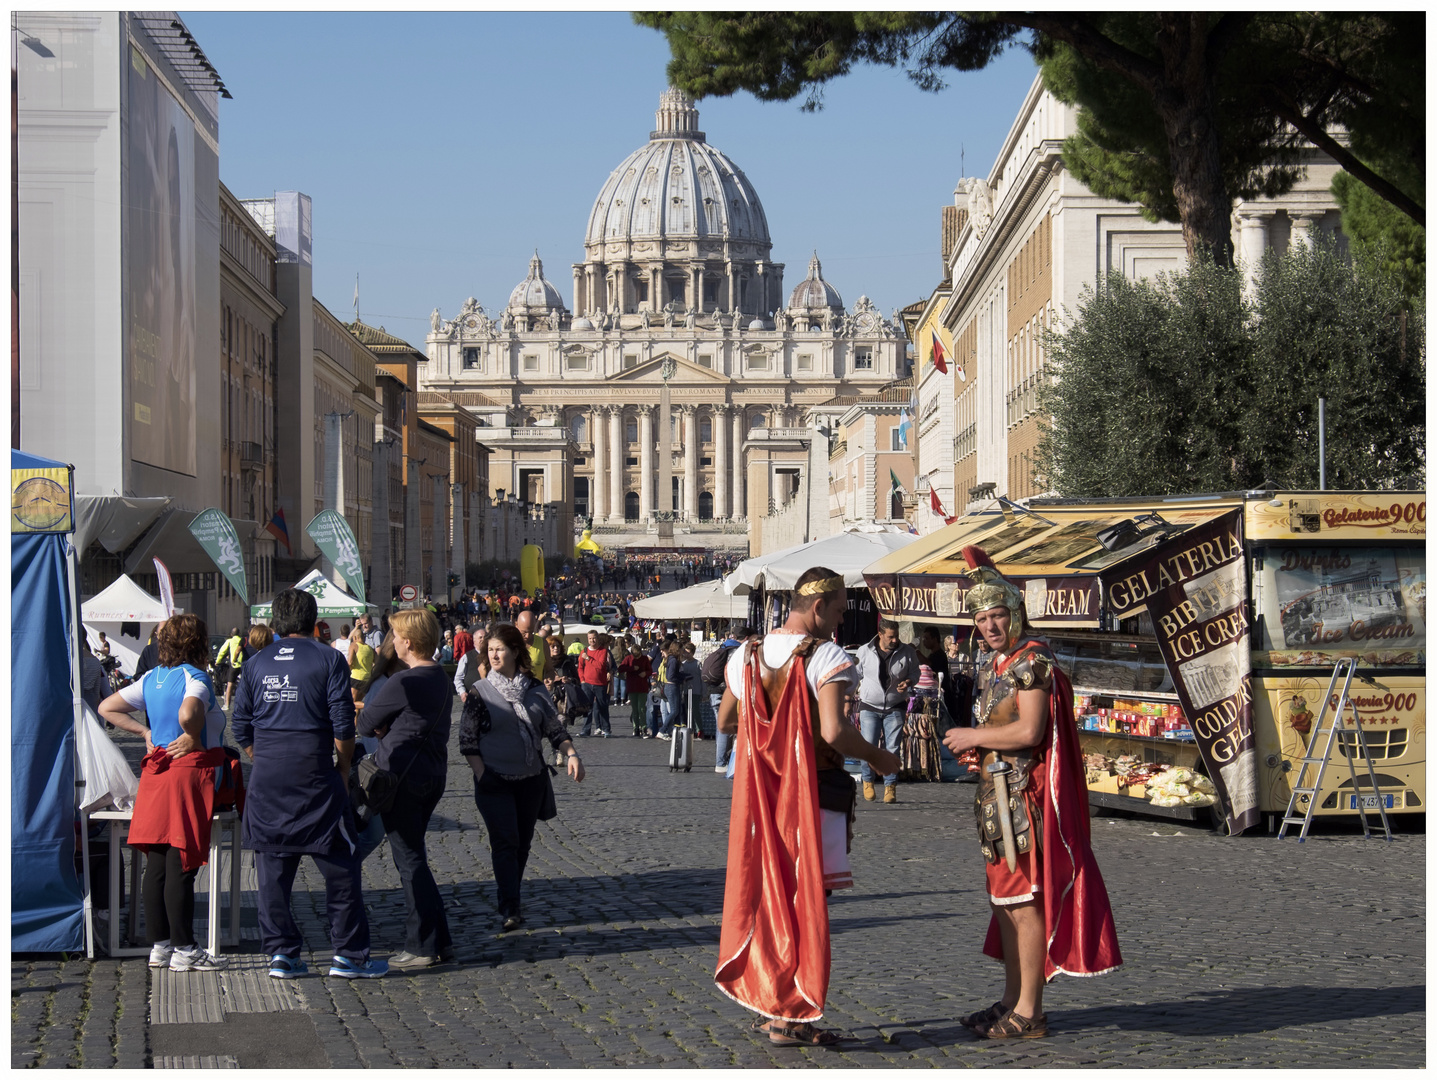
(342,644)
(134,696)
(828,662)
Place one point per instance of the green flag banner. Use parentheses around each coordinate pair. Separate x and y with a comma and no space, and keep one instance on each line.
(897,486)
(333,536)
(216,534)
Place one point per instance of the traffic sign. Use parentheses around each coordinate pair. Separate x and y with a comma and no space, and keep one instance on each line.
(408,593)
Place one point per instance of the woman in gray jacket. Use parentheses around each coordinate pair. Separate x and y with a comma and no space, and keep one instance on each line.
(507,718)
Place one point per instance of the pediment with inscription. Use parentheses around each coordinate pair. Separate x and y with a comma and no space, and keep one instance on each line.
(651,372)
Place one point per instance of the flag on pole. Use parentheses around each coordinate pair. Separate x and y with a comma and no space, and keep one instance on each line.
(356,297)
(167,587)
(936,505)
(940,357)
(897,484)
(905,424)
(279,530)
(215,532)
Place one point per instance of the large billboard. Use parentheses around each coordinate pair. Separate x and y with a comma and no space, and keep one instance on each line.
(161,258)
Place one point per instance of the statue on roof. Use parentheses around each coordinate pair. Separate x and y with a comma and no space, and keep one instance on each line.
(434,321)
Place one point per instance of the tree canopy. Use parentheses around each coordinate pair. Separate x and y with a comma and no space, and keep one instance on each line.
(1185,384)
(1180,112)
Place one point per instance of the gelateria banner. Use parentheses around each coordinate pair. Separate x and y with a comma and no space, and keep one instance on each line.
(333,536)
(1195,590)
(215,532)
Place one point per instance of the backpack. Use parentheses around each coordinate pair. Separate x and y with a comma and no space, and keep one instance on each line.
(713,668)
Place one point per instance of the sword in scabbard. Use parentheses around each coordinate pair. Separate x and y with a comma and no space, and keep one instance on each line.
(999,771)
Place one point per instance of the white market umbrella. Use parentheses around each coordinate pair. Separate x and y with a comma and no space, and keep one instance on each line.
(121,603)
(706,600)
(846,553)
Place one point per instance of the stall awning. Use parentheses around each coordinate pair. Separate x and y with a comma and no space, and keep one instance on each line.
(846,553)
(1061,554)
(171,541)
(706,600)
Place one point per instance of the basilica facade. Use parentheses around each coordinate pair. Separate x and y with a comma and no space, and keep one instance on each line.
(679,384)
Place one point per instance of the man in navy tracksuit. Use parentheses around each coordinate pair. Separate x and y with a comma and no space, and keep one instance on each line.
(293,714)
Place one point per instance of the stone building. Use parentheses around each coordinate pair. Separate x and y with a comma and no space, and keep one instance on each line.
(1029,238)
(678,385)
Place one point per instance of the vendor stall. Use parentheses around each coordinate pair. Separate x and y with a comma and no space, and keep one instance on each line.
(332,601)
(706,600)
(126,614)
(1199,632)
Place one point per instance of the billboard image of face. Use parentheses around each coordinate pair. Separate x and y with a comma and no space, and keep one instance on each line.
(161,273)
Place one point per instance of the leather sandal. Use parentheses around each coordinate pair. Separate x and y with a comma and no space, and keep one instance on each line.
(1013,1026)
(805,1034)
(983,1017)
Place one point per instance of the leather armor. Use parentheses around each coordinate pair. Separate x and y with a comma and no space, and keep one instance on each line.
(997,706)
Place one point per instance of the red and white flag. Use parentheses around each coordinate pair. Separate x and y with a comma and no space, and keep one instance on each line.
(937,507)
(940,355)
(167,588)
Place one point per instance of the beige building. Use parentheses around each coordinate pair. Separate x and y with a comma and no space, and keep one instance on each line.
(678,385)
(866,451)
(1031,238)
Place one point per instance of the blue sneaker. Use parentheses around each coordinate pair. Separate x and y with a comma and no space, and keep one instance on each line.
(287,967)
(359,969)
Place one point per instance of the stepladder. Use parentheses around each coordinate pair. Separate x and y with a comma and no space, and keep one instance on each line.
(1339,732)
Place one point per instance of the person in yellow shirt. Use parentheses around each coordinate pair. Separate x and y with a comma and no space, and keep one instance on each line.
(361,663)
(538,651)
(227,663)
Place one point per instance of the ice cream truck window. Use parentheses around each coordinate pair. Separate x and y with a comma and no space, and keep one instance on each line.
(1318,603)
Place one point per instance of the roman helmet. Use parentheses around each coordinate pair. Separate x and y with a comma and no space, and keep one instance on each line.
(991,589)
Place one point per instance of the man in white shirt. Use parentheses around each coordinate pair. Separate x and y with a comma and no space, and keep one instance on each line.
(342,642)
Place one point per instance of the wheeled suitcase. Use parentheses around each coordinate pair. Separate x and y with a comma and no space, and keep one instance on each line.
(681,749)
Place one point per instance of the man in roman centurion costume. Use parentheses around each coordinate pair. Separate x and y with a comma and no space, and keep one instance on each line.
(790,826)
(1050,908)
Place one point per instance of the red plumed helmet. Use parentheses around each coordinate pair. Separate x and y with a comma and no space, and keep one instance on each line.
(976,557)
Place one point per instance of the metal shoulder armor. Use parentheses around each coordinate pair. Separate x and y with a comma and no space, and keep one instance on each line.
(1033,670)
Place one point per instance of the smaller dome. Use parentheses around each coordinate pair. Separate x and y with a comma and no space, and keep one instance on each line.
(582,323)
(758,324)
(815,294)
(535,291)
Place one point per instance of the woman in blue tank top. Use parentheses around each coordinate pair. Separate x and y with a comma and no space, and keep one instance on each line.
(177,785)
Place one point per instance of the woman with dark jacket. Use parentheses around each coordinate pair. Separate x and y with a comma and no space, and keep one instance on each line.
(505,723)
(411,714)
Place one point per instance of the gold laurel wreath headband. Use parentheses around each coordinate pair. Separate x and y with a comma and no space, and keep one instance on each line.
(819,588)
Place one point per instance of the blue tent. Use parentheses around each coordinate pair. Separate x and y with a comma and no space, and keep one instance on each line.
(47,907)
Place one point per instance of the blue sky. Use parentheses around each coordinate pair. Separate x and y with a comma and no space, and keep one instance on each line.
(442,148)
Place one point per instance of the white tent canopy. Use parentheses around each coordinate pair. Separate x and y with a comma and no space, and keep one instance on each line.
(333,602)
(707,600)
(846,553)
(123,602)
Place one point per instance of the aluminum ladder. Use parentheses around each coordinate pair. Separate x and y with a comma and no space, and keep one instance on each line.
(1352,740)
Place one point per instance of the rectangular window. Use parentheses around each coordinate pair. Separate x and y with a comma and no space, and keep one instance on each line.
(706,461)
(471,357)
(531,362)
(805,361)
(641,291)
(710,290)
(758,361)
(630,361)
(895,440)
(706,360)
(863,358)
(578,362)
(631,461)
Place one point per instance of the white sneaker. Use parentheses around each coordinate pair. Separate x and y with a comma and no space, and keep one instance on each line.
(721,769)
(160,953)
(196,959)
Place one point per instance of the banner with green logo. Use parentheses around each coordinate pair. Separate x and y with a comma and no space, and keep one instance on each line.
(333,536)
(216,534)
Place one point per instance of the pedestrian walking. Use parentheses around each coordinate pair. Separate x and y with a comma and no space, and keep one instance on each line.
(410,716)
(667,682)
(295,720)
(501,734)
(1051,913)
(636,669)
(184,778)
(594,672)
(228,663)
(887,671)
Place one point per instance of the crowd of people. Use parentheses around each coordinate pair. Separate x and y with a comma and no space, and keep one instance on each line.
(348,737)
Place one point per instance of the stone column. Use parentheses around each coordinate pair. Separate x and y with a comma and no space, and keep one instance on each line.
(740,507)
(578,291)
(597,487)
(732,289)
(1252,245)
(721,461)
(691,462)
(616,462)
(656,287)
(1302,226)
(646,462)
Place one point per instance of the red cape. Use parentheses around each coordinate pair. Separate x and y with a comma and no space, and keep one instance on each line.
(773,950)
(1081,937)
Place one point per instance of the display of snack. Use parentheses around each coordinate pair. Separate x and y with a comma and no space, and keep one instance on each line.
(1181,787)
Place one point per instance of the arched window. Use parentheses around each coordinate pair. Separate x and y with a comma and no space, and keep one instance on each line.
(755,421)
(706,430)
(895,506)
(580,427)
(706,506)
(631,431)
(631,506)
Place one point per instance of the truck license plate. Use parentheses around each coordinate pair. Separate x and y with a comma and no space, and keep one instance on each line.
(1369,802)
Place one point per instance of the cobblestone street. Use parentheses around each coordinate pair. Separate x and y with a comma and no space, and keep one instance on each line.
(1239,952)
